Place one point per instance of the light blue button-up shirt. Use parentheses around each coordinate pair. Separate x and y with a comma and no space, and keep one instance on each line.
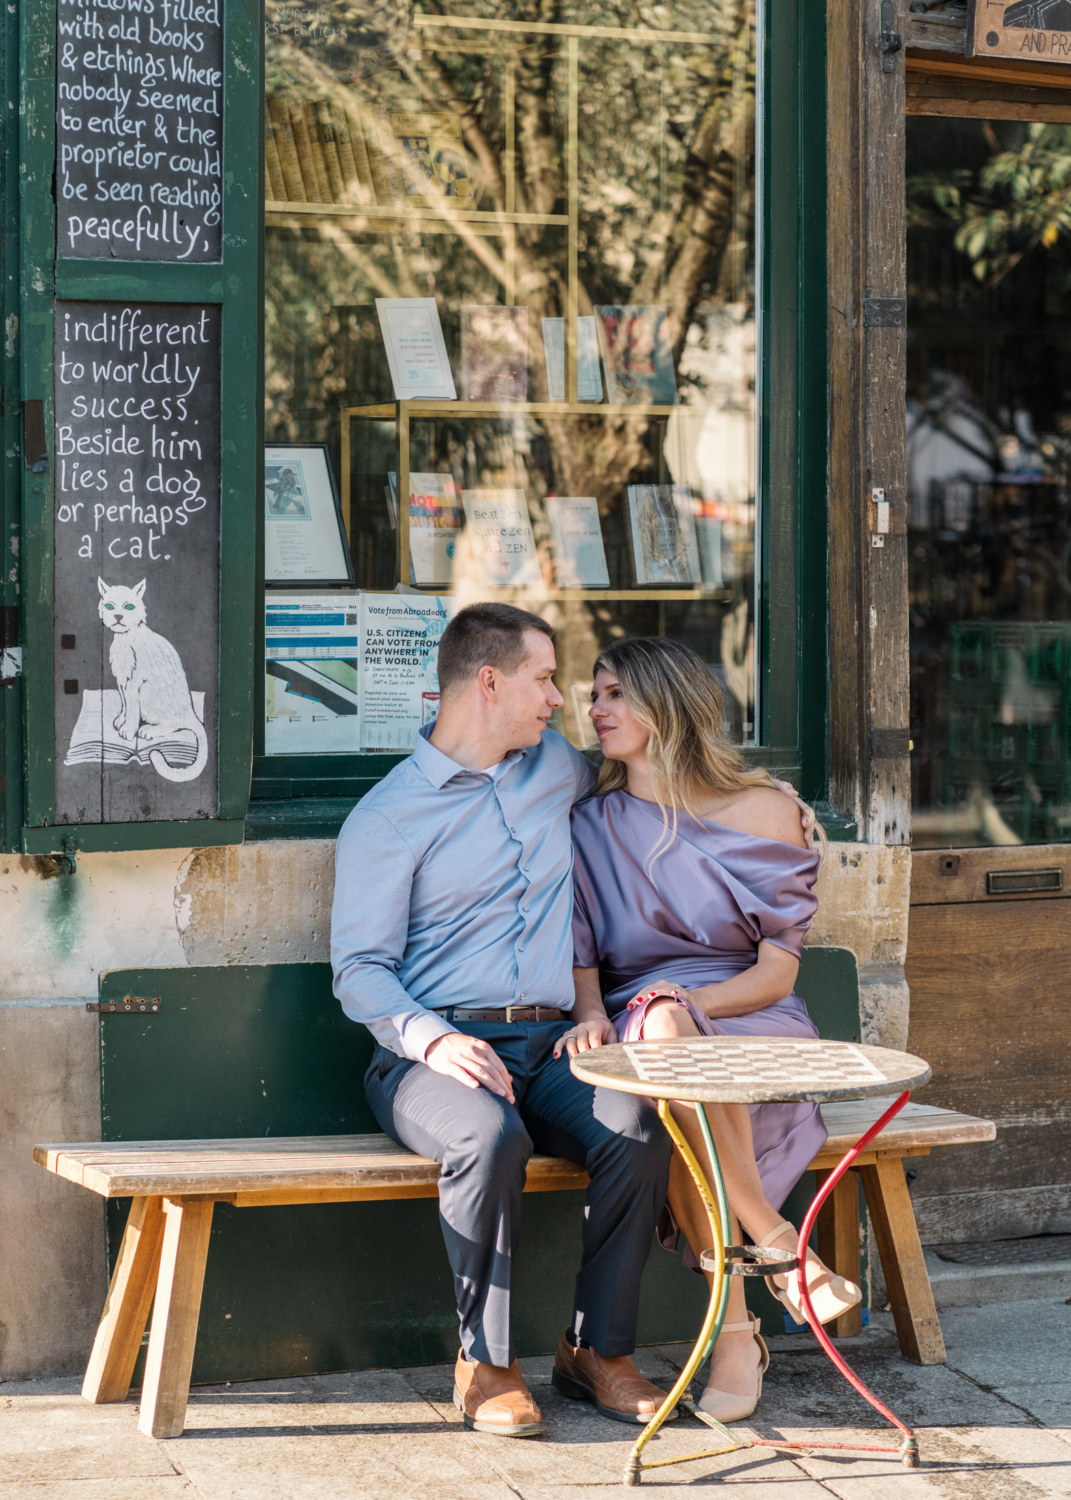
(454,888)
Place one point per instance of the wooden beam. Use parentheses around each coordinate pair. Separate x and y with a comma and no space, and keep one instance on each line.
(126,1308)
(838,1245)
(174,1323)
(902,1262)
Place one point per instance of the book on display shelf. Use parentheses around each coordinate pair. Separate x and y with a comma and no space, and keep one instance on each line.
(432,163)
(416,350)
(435,522)
(576,536)
(288,157)
(664,546)
(332,160)
(588,376)
(494,353)
(636,355)
(498,538)
(272,164)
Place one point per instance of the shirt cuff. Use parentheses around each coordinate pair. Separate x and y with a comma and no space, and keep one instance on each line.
(421,1031)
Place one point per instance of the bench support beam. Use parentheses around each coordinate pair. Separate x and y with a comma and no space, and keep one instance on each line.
(838,1245)
(126,1310)
(174,1322)
(902,1261)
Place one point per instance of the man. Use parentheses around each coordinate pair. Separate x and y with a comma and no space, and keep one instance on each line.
(451,941)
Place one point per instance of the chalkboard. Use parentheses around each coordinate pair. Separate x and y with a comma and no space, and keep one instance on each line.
(139,129)
(137,495)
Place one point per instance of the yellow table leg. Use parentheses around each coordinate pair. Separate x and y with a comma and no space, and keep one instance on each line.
(711,1323)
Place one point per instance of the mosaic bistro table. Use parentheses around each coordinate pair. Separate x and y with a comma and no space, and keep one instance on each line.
(753,1070)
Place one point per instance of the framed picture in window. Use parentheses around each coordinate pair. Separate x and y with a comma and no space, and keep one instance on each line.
(304,534)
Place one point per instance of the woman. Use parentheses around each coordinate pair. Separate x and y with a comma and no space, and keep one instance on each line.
(693,890)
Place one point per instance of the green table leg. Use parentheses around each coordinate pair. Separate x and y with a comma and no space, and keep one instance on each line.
(718,1214)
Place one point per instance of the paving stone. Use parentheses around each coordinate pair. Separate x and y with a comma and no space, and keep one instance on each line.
(60,1436)
(143,1488)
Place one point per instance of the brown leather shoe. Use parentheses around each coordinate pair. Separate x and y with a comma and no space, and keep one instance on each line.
(615,1385)
(495,1400)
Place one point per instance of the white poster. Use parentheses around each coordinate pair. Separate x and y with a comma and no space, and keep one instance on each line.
(312,673)
(400,637)
(304,538)
(416,350)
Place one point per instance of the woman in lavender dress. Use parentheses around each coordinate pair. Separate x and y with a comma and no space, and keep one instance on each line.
(693,890)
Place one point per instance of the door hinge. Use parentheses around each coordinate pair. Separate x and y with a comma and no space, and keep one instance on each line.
(889,41)
(130,1005)
(884,312)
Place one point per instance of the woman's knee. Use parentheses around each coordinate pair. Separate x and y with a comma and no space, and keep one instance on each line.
(665,1019)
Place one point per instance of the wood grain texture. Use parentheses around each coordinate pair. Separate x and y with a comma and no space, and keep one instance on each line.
(929,887)
(910,1295)
(126,1309)
(838,1245)
(932,100)
(173,1335)
(370,1167)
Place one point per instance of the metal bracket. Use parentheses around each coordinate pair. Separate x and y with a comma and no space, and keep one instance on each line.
(66,861)
(130,1004)
(890,41)
(884,312)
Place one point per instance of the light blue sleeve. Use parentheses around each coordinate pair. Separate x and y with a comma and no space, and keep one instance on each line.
(374,868)
(584,773)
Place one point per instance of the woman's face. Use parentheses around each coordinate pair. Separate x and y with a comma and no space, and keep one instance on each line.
(621,735)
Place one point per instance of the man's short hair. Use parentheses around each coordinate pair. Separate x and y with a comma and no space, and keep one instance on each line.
(485,635)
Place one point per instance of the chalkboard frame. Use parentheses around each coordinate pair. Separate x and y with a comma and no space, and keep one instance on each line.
(236,285)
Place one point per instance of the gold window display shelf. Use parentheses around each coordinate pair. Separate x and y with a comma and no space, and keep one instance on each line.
(403,412)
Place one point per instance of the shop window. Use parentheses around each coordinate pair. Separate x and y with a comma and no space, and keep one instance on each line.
(511,314)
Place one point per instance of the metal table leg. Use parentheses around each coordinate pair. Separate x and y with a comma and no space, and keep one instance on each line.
(717,1210)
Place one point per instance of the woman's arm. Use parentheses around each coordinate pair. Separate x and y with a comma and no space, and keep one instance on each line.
(592,1027)
(770,978)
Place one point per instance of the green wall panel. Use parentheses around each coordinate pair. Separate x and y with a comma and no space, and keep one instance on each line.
(263,1051)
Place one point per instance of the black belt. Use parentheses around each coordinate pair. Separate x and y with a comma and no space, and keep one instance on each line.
(505,1013)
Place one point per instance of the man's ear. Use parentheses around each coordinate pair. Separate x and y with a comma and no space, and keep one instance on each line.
(487,677)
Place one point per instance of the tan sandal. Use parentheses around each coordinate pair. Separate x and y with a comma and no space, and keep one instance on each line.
(830,1295)
(729,1406)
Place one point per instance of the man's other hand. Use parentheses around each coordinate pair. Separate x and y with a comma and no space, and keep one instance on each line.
(807,817)
(472,1062)
(585,1035)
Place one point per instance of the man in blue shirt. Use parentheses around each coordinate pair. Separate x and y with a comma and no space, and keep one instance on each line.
(451,941)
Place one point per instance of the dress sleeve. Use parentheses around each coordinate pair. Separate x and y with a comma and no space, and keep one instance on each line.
(785,920)
(585,948)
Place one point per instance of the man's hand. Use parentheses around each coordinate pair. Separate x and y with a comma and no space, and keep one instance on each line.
(807,817)
(472,1062)
(585,1035)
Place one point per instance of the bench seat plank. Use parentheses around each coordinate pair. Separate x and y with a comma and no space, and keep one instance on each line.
(376,1164)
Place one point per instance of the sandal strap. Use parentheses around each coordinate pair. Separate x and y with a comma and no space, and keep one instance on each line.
(752,1326)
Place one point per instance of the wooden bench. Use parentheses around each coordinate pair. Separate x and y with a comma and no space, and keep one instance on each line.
(176,1184)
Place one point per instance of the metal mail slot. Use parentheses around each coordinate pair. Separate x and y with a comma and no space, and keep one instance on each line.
(1018,882)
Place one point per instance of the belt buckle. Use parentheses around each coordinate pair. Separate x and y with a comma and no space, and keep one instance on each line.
(509,1012)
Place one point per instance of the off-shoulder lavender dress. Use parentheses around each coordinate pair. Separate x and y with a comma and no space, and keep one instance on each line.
(715,893)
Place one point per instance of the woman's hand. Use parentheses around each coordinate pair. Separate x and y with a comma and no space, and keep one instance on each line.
(597,1032)
(807,816)
(657,989)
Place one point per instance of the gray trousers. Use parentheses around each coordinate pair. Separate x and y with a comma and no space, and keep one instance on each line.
(483,1144)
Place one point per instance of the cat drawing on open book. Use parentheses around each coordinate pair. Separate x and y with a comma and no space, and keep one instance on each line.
(155,696)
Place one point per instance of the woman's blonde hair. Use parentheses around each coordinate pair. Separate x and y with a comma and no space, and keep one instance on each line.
(672,692)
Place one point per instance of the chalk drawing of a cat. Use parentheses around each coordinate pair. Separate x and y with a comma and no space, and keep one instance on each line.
(152,680)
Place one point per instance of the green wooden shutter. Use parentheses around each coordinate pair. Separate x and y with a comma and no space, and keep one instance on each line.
(140,805)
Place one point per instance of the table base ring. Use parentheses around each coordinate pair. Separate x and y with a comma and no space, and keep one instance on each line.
(714,1260)
(757,1260)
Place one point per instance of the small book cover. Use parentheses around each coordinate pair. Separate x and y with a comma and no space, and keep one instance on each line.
(435,522)
(588,376)
(288,157)
(708,537)
(576,536)
(329,140)
(636,355)
(664,546)
(416,350)
(96,739)
(494,353)
(431,158)
(499,536)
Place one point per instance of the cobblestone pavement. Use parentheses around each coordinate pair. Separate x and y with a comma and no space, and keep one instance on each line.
(994,1424)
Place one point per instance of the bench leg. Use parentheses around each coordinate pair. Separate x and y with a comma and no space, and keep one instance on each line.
(902,1261)
(174,1320)
(838,1245)
(126,1309)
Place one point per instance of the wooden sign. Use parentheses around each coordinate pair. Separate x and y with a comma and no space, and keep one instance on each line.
(137,584)
(1030,30)
(139,130)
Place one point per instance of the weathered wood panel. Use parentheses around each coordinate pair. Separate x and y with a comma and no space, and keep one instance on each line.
(950,876)
(989,985)
(137,561)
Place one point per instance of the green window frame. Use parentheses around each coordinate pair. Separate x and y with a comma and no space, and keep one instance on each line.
(34,281)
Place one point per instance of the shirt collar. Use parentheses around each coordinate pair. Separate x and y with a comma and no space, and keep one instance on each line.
(439,768)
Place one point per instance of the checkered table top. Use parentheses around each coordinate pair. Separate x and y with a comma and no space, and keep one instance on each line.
(751,1069)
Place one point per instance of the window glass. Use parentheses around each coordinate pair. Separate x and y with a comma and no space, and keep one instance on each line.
(510,293)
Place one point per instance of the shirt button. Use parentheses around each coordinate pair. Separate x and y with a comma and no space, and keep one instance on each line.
(524,869)
(524,908)
(520,947)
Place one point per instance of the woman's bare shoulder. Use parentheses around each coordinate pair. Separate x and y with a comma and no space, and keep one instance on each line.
(768,814)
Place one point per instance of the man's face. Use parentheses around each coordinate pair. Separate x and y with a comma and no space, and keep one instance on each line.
(528,697)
